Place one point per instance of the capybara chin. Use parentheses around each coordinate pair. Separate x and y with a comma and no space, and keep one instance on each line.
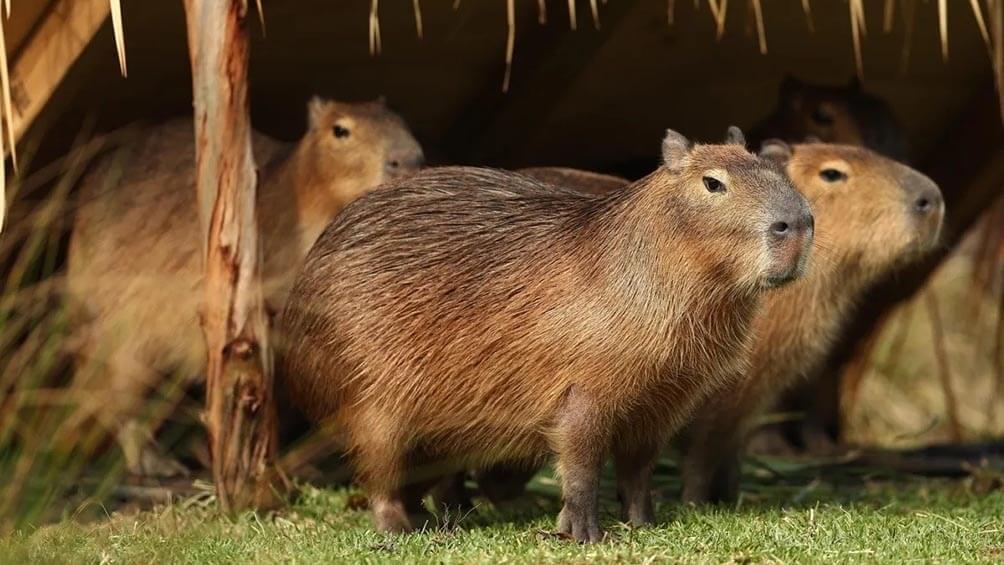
(134,273)
(872,215)
(465,316)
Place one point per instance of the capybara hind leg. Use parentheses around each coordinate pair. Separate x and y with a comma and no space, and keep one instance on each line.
(450,493)
(413,495)
(117,386)
(581,445)
(143,456)
(634,478)
(505,482)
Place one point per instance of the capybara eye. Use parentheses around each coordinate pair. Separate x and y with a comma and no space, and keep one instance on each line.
(340,132)
(832,175)
(713,184)
(822,117)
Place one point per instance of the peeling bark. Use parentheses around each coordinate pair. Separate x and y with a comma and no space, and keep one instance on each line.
(240,414)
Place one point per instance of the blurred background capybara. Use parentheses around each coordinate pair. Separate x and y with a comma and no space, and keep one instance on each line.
(470,316)
(134,274)
(873,215)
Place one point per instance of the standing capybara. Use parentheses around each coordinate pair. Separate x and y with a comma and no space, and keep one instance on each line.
(872,215)
(466,316)
(135,265)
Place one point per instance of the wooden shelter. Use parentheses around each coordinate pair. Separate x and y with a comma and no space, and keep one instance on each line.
(596,97)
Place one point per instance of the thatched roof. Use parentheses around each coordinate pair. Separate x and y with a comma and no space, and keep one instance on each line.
(587,97)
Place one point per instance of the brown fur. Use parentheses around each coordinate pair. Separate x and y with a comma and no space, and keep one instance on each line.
(467,316)
(583,181)
(866,226)
(134,268)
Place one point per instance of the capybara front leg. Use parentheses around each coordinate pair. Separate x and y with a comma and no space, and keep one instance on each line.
(634,482)
(581,444)
(712,469)
(380,465)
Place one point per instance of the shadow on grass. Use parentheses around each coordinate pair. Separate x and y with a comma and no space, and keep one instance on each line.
(769,486)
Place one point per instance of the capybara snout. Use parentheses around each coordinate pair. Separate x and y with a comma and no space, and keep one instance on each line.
(762,206)
(404,158)
(885,213)
(924,200)
(789,238)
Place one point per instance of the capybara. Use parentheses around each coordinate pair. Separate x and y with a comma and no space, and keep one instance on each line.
(833,114)
(135,262)
(872,215)
(466,316)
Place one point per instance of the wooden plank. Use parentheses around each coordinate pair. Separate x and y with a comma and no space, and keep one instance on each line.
(46,56)
(240,416)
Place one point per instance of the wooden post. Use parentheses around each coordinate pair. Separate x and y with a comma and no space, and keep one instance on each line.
(240,416)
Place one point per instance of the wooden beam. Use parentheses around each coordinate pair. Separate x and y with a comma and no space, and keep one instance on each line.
(240,417)
(547,63)
(48,53)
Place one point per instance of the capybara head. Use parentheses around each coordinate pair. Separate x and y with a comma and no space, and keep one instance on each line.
(836,114)
(872,212)
(733,200)
(353,147)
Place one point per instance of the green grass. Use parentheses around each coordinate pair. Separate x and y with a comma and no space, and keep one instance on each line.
(798,516)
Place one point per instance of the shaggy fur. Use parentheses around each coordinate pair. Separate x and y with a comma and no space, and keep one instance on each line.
(583,181)
(467,316)
(135,266)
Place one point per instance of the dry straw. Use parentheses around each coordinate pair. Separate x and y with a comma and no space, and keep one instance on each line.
(992,35)
(119,38)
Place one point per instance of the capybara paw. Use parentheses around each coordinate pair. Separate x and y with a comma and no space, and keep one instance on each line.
(582,528)
(720,490)
(695,494)
(450,495)
(640,514)
(155,465)
(390,516)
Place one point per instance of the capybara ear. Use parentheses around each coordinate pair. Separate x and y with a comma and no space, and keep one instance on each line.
(316,108)
(674,148)
(734,136)
(775,150)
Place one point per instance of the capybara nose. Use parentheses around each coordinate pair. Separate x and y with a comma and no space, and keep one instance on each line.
(801,223)
(928,201)
(403,164)
(790,237)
